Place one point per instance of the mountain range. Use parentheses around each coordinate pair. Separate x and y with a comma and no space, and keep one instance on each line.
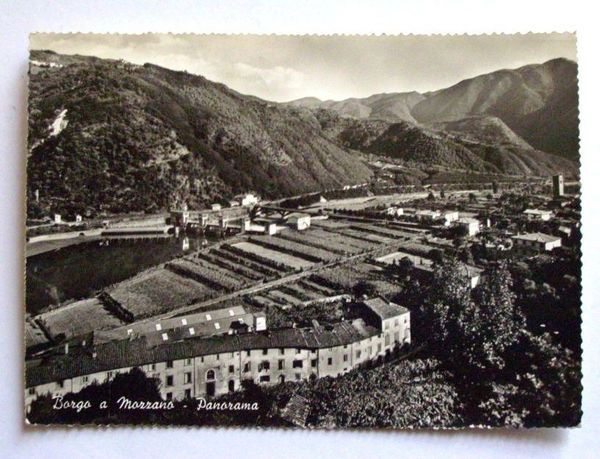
(537,102)
(107,136)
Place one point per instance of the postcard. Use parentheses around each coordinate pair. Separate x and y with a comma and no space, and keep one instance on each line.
(322,232)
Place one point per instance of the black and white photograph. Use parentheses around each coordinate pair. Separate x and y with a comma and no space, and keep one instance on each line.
(303,231)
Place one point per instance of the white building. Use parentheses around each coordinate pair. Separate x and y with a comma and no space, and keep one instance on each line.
(450,216)
(57,218)
(247,199)
(535,242)
(207,367)
(538,214)
(394,211)
(215,206)
(470,225)
(299,221)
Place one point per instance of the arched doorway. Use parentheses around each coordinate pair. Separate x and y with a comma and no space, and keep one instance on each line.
(210,383)
(231,385)
(281,378)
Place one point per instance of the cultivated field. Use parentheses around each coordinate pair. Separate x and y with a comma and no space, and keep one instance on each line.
(78,318)
(274,255)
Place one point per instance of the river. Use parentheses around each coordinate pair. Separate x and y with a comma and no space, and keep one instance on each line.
(78,271)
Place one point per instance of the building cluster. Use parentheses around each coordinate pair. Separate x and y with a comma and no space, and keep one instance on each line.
(205,366)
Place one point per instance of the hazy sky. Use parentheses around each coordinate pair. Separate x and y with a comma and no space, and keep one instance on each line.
(283,68)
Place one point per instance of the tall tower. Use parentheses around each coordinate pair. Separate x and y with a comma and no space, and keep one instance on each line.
(558,186)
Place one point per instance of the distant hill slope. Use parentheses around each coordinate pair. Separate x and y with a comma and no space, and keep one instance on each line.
(483,128)
(538,102)
(421,146)
(107,136)
(389,107)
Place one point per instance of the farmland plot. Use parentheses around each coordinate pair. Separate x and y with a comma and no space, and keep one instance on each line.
(322,240)
(366,236)
(384,231)
(228,265)
(295,249)
(159,290)
(214,279)
(251,264)
(78,318)
(273,255)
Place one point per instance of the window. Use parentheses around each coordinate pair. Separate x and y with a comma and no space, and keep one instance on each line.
(31,391)
(313,351)
(298,376)
(265,378)
(232,355)
(218,356)
(313,363)
(153,367)
(397,336)
(264,366)
(169,364)
(248,353)
(281,365)
(297,364)
(60,384)
(85,379)
(379,347)
(396,321)
(298,351)
(358,354)
(210,374)
(187,362)
(231,385)
(188,393)
(187,378)
(202,359)
(265,351)
(170,380)
(169,395)
(329,361)
(387,340)
(247,367)
(345,357)
(281,350)
(231,369)
(109,375)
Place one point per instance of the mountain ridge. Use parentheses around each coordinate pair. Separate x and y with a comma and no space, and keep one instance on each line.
(145,138)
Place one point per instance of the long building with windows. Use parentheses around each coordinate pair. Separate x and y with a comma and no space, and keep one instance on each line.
(207,367)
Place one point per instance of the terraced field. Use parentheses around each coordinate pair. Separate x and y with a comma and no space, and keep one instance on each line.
(78,318)
(274,255)
(159,290)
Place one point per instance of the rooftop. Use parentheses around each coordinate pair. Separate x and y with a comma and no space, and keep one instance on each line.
(537,237)
(385,309)
(137,352)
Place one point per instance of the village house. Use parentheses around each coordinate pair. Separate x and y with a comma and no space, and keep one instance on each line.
(538,214)
(299,221)
(247,199)
(207,367)
(470,226)
(535,242)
